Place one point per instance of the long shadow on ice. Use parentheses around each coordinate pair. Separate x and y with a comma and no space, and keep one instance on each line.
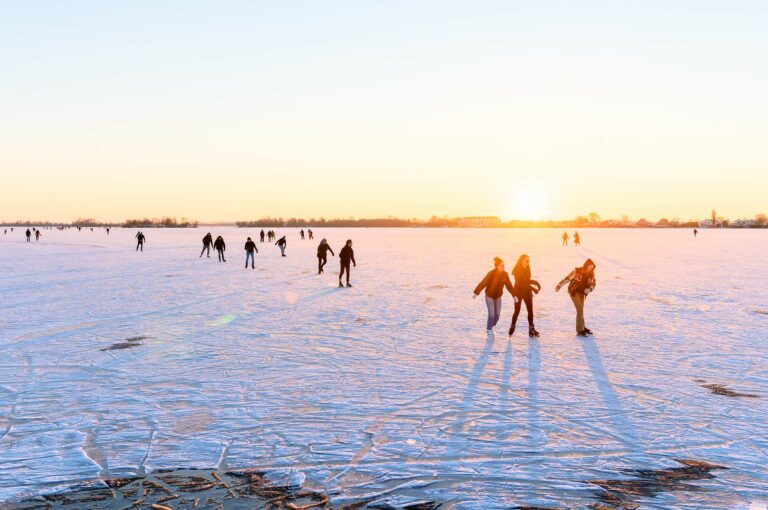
(460,425)
(616,415)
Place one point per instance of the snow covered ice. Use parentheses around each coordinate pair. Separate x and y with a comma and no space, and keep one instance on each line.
(114,362)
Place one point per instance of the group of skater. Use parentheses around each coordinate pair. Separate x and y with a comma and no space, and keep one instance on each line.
(576,239)
(581,282)
(346,254)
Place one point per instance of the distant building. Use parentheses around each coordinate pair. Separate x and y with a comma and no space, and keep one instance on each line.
(742,223)
(479,221)
(710,224)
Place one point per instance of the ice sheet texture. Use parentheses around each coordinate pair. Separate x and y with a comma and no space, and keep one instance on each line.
(114,362)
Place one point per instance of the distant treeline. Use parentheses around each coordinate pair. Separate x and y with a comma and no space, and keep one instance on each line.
(591,221)
(167,222)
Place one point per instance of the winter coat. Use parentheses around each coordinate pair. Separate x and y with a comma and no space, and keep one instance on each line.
(494,283)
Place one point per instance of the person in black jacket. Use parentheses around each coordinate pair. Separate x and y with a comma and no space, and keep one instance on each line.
(207,242)
(494,283)
(220,247)
(345,256)
(250,247)
(261,236)
(525,288)
(322,255)
(29,235)
(140,240)
(581,281)
(282,243)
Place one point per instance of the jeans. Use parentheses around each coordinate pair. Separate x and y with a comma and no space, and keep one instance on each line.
(578,302)
(221,255)
(494,310)
(249,255)
(206,247)
(321,261)
(282,250)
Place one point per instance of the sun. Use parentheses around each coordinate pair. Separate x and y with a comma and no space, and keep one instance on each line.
(528,203)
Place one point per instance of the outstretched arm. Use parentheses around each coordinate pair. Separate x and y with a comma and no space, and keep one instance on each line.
(330,250)
(483,283)
(565,281)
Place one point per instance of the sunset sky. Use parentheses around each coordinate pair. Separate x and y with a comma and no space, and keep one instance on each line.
(236,110)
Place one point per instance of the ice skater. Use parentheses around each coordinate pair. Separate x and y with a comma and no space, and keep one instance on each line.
(565,238)
(250,247)
(581,282)
(29,236)
(220,248)
(207,242)
(37,234)
(695,232)
(576,239)
(493,284)
(346,254)
(302,234)
(261,236)
(282,244)
(525,288)
(140,239)
(107,230)
(322,255)
(311,235)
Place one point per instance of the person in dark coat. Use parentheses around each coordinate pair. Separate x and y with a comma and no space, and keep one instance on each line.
(581,282)
(493,284)
(220,248)
(525,288)
(140,239)
(207,242)
(250,247)
(322,255)
(346,255)
(261,236)
(29,235)
(282,243)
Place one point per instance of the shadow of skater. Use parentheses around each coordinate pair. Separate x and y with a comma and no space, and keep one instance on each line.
(461,423)
(536,439)
(617,416)
(506,375)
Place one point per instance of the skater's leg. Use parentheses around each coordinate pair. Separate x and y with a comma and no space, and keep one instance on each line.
(578,303)
(497,310)
(491,306)
(529,307)
(518,305)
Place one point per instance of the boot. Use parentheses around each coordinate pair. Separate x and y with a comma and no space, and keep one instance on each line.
(512,330)
(533,333)
(349,285)
(341,284)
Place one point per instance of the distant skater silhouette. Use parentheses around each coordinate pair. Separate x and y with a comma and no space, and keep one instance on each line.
(525,288)
(581,282)
(282,243)
(29,236)
(220,248)
(576,239)
(250,247)
(302,234)
(261,236)
(494,283)
(346,255)
(695,232)
(140,239)
(107,230)
(311,235)
(37,234)
(322,255)
(207,242)
(565,238)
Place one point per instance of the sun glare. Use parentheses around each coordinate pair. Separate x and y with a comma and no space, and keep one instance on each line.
(528,203)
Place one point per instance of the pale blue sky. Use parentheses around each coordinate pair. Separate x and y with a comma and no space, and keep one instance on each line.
(229,110)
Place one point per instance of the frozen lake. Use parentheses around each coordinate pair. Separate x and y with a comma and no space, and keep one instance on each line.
(388,391)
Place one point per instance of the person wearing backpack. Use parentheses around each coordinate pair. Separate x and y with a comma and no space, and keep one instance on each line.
(581,282)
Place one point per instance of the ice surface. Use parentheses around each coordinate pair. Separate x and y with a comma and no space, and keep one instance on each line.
(388,391)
